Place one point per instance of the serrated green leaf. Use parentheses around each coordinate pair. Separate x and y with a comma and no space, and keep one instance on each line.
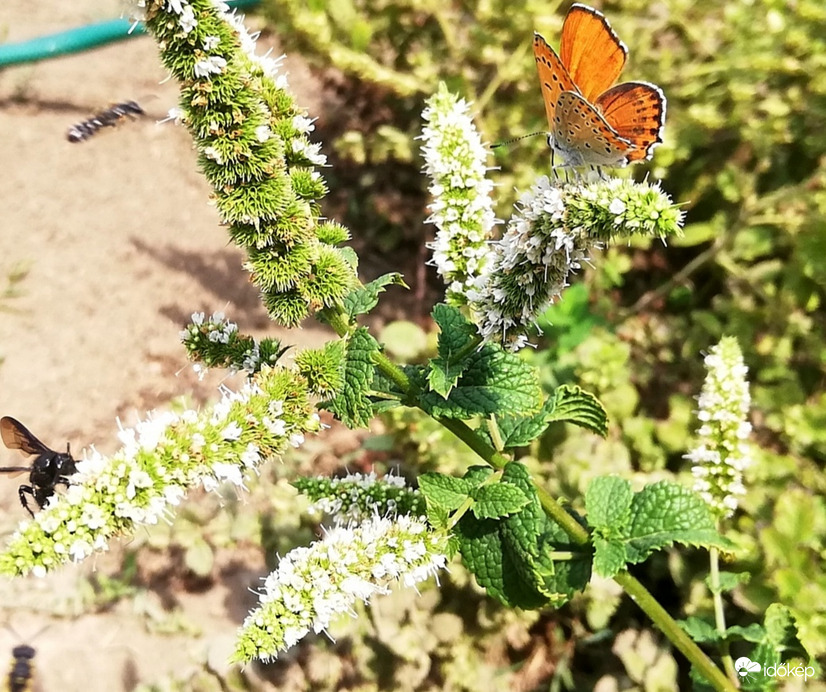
(363,299)
(518,431)
(728,581)
(573,404)
(781,628)
(437,515)
(608,505)
(512,557)
(497,500)
(754,633)
(444,491)
(484,554)
(352,405)
(664,513)
(455,330)
(609,557)
(455,335)
(700,631)
(494,381)
(476,475)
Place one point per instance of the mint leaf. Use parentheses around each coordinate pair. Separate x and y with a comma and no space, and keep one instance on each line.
(485,555)
(512,557)
(752,633)
(609,556)
(351,406)
(556,580)
(497,500)
(437,515)
(476,475)
(574,405)
(363,299)
(445,491)
(567,403)
(729,581)
(494,381)
(700,631)
(781,629)
(608,504)
(664,513)
(517,431)
(455,335)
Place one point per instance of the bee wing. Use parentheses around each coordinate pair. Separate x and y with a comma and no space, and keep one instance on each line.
(16,436)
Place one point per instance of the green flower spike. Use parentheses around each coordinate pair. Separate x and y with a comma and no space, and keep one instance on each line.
(254,150)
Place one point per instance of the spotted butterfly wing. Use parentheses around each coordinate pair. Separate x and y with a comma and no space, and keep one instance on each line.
(636,111)
(553,77)
(582,136)
(590,51)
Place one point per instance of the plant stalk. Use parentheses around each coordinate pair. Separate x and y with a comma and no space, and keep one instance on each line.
(638,593)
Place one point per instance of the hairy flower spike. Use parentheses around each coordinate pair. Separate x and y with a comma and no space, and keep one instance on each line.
(358,496)
(722,451)
(254,150)
(161,458)
(553,231)
(215,342)
(462,209)
(316,584)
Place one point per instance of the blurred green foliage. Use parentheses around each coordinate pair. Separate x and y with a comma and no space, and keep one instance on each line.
(745,152)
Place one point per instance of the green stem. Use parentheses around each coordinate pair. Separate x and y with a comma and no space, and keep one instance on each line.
(669,627)
(719,613)
(638,593)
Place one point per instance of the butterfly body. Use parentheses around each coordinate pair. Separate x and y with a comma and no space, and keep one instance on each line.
(592,122)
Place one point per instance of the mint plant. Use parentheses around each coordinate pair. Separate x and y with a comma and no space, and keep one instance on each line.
(526,548)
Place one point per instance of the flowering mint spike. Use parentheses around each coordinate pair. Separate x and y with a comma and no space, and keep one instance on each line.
(254,149)
(359,496)
(552,232)
(216,342)
(722,451)
(315,584)
(161,458)
(462,209)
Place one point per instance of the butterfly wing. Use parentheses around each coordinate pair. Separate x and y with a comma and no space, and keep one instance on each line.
(636,111)
(583,137)
(590,51)
(553,77)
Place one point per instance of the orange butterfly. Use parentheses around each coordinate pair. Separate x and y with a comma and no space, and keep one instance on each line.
(591,122)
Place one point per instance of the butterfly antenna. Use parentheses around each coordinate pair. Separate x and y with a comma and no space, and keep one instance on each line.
(516,139)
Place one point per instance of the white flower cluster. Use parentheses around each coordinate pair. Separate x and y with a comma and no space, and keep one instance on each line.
(529,267)
(722,452)
(160,459)
(315,584)
(462,209)
(351,505)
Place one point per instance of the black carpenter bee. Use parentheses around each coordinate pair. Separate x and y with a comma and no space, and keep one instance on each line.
(22,668)
(108,118)
(47,470)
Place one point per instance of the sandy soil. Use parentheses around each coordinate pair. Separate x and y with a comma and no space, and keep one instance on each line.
(121,246)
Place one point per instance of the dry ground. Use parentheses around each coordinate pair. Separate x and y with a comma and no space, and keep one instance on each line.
(121,246)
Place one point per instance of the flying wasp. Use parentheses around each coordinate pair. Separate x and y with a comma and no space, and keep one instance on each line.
(111,117)
(22,668)
(48,468)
